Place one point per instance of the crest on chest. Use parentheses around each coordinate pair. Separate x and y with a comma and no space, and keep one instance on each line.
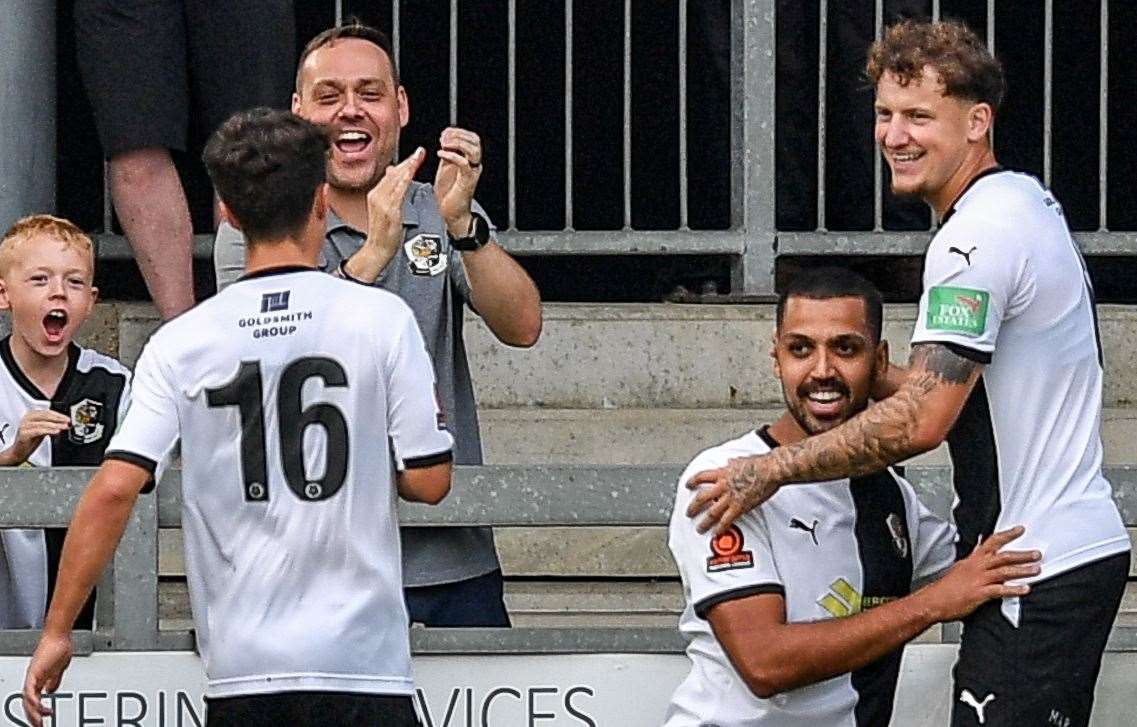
(424,255)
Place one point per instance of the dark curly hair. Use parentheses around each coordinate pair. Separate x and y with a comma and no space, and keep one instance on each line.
(966,67)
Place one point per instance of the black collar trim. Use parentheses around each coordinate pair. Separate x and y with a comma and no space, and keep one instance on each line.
(763,433)
(26,384)
(280,270)
(998,168)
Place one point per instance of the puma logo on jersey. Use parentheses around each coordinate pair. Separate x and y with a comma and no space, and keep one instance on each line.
(980,707)
(965,255)
(796,524)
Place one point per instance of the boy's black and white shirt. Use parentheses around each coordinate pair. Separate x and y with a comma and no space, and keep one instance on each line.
(1005,285)
(297,396)
(831,549)
(94,392)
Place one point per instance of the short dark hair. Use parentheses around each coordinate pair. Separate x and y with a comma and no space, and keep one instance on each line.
(826,283)
(353,28)
(266,166)
(966,67)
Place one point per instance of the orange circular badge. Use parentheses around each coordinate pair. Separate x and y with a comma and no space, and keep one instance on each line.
(729,543)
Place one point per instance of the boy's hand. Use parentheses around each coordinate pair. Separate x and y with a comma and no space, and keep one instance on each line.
(34,427)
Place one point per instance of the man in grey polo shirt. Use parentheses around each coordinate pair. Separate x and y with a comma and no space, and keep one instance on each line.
(433,247)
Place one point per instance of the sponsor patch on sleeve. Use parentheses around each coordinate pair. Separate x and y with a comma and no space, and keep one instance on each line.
(960,310)
(727,552)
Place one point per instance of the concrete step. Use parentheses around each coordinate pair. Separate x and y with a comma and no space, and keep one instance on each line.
(570,552)
(640,356)
(530,435)
(562,604)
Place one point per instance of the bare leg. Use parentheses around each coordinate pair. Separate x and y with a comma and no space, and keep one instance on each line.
(151,206)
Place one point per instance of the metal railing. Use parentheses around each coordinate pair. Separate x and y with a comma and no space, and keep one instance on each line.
(752,240)
(499,495)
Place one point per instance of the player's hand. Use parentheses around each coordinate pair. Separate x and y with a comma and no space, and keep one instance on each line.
(44,674)
(983,575)
(385,214)
(724,494)
(35,425)
(459,168)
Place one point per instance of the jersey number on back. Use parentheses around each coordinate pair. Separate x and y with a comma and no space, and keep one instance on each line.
(245,391)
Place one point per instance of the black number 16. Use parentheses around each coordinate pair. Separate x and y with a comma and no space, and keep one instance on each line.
(245,392)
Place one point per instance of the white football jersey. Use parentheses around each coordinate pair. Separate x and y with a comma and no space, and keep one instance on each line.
(94,393)
(1005,285)
(832,550)
(296,396)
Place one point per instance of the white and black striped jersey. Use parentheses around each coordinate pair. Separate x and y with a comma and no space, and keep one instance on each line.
(1005,285)
(831,549)
(297,396)
(94,392)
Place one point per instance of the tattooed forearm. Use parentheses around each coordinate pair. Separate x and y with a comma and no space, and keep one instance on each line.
(883,434)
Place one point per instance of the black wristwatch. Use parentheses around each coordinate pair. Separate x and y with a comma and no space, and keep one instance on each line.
(476,237)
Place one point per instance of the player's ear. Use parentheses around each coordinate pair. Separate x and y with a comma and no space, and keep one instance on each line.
(320,204)
(882,362)
(774,354)
(979,119)
(227,214)
(5,304)
(296,102)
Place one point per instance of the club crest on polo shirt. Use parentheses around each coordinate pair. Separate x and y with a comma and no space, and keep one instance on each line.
(86,422)
(958,310)
(424,255)
(727,552)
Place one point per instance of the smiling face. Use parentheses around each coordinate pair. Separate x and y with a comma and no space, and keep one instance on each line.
(926,137)
(826,357)
(46,284)
(349,87)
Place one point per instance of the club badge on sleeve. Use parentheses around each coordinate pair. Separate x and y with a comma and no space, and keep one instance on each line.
(424,255)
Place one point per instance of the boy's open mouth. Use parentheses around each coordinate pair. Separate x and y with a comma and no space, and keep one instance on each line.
(54,323)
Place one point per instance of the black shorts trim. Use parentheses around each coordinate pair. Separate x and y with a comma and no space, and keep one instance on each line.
(135,459)
(703,607)
(414,463)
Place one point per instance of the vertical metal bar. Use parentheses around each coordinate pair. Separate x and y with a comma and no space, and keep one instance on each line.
(822,52)
(683,115)
(936,11)
(512,113)
(135,592)
(1047,89)
(339,12)
(991,48)
(991,26)
(753,30)
(877,183)
(568,114)
(453,62)
(1103,118)
(395,34)
(627,114)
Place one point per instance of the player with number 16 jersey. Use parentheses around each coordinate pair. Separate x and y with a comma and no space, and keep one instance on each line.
(287,561)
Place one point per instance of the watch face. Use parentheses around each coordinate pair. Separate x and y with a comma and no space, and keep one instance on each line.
(481,230)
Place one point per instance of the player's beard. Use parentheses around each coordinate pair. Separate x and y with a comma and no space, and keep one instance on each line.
(806,420)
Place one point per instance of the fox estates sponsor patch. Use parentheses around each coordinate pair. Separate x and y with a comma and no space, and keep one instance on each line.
(963,310)
(727,552)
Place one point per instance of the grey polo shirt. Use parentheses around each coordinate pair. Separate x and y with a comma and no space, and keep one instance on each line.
(428,274)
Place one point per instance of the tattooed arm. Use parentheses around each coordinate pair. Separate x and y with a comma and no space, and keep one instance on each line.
(915,419)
